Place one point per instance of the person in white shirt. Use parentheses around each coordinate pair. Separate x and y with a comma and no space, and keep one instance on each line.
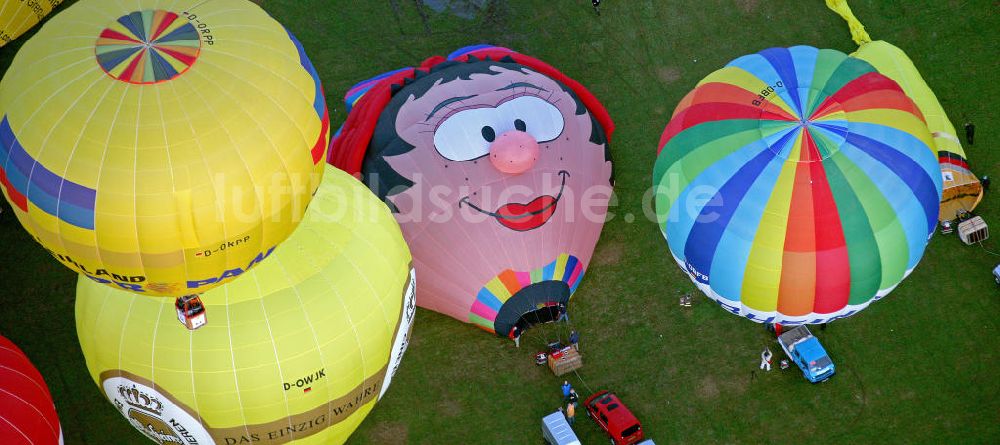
(765,359)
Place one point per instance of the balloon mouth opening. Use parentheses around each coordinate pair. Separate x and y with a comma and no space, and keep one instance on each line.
(522,217)
(150,46)
(538,303)
(810,134)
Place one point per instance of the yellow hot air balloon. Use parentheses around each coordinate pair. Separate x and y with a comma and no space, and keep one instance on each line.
(18,16)
(299,349)
(962,189)
(161,147)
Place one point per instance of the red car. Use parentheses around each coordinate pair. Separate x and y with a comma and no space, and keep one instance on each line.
(614,418)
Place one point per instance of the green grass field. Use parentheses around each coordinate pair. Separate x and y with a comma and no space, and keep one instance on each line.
(919,366)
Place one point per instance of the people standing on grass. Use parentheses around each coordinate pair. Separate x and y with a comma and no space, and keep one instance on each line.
(515,334)
(574,339)
(573,398)
(765,359)
(566,390)
(570,413)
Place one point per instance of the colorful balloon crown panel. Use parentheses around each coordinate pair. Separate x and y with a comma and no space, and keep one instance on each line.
(27,414)
(18,16)
(297,351)
(962,190)
(797,185)
(161,146)
(497,168)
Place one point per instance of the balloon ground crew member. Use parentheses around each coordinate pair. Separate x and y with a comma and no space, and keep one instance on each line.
(570,413)
(574,399)
(515,334)
(574,339)
(765,359)
(566,389)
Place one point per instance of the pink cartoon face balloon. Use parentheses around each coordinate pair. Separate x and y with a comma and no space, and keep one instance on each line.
(499,176)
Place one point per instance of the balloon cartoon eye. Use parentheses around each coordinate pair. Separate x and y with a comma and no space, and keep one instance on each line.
(467,134)
(489,133)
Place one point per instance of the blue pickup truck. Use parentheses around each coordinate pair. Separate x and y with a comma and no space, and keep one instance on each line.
(805,350)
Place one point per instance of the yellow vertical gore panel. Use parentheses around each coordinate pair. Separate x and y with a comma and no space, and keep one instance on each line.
(763,274)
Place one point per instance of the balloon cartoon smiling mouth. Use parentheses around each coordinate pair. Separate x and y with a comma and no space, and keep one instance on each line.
(524,217)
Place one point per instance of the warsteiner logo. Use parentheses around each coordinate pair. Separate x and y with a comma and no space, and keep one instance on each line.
(154,414)
(143,413)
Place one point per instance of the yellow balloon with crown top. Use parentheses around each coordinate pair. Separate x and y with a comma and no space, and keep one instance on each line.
(161,147)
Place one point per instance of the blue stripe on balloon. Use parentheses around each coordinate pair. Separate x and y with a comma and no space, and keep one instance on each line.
(22,163)
(78,196)
(45,181)
(7,138)
(133,22)
(922,155)
(783,63)
(162,69)
(685,207)
(579,279)
(805,68)
(76,215)
(487,298)
(733,252)
(111,59)
(17,178)
(43,188)
(712,221)
(926,188)
(834,131)
(679,216)
(761,68)
(359,89)
(548,271)
(41,177)
(183,33)
(319,102)
(571,262)
(920,152)
(468,49)
(43,200)
(909,212)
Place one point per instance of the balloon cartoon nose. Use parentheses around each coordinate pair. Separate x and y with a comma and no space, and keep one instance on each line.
(514,152)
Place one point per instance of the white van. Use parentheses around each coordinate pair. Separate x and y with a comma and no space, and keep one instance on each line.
(556,430)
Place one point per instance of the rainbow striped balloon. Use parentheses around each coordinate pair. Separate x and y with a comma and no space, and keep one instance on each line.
(797,185)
